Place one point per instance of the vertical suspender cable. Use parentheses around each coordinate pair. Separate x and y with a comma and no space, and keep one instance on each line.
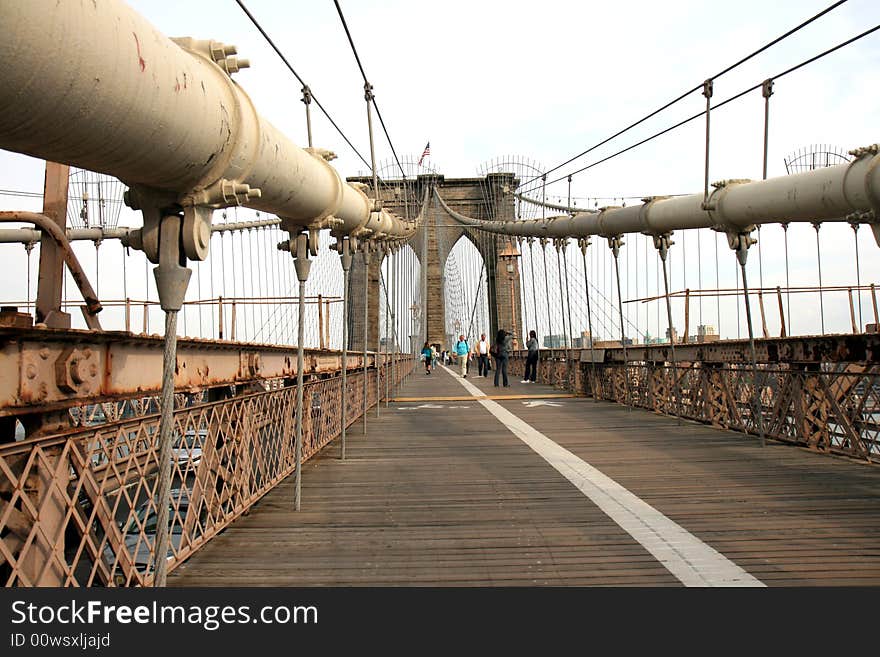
(558,245)
(615,243)
(534,291)
(345,258)
(663,242)
(594,387)
(567,295)
(707,92)
(543,241)
(307,100)
(817,226)
(855,227)
(366,256)
(300,248)
(742,253)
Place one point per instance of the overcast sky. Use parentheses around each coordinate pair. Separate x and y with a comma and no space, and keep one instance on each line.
(543,81)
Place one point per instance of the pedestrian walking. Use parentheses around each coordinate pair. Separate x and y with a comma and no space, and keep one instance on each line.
(427,355)
(531,374)
(481,355)
(462,351)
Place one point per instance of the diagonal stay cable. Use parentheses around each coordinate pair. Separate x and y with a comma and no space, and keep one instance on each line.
(296,75)
(364,76)
(722,103)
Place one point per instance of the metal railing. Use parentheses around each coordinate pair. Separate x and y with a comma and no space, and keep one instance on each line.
(79,509)
(830,407)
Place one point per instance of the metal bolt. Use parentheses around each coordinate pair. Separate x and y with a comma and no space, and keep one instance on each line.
(31,371)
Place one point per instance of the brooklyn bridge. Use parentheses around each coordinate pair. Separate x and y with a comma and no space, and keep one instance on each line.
(223,362)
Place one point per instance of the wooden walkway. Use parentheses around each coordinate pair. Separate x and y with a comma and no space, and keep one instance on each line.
(441,493)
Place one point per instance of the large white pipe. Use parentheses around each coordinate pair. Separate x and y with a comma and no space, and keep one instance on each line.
(835,193)
(93,84)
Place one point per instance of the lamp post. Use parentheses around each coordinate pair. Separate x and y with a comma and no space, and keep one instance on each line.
(412,337)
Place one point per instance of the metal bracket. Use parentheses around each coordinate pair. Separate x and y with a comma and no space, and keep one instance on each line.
(221,54)
(740,242)
(615,242)
(172,278)
(300,249)
(662,243)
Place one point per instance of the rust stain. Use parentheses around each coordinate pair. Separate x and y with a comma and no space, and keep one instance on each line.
(141,61)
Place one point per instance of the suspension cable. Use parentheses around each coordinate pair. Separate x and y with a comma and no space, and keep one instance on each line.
(690,91)
(301,81)
(722,103)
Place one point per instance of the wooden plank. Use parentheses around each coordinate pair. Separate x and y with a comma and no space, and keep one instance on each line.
(448,497)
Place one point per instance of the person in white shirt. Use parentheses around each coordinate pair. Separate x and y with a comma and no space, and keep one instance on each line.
(481,352)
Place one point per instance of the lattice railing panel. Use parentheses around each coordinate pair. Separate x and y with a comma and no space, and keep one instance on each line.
(80,508)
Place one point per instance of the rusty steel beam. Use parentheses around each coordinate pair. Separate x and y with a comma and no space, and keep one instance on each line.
(843,348)
(45,370)
(51,279)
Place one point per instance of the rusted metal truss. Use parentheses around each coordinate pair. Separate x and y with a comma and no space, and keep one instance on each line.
(819,392)
(79,509)
(48,370)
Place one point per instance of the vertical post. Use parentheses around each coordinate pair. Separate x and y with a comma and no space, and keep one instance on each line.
(127,315)
(50,280)
(852,312)
(687,314)
(300,250)
(233,321)
(782,330)
(662,244)
(344,248)
(327,323)
(146,317)
(874,301)
(763,316)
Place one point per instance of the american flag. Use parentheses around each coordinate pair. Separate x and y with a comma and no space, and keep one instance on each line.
(425,153)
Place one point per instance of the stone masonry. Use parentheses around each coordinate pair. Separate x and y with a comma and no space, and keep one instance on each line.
(486,198)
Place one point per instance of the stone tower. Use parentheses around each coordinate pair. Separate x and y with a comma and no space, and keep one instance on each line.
(486,198)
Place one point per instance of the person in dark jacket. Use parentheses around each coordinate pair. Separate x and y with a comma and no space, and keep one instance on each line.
(532,359)
(501,352)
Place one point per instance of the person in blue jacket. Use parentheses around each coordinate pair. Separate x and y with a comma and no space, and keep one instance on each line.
(462,352)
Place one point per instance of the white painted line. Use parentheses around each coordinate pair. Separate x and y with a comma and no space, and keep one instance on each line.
(688,558)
